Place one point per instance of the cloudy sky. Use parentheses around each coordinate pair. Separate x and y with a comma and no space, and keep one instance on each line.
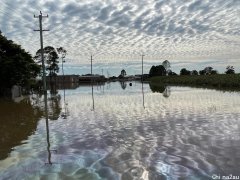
(189,33)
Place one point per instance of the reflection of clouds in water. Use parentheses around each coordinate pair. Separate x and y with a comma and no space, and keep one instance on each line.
(177,137)
(184,116)
(163,168)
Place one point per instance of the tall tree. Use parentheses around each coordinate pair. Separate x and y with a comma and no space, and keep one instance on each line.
(171,73)
(157,71)
(214,72)
(184,71)
(16,65)
(166,64)
(194,72)
(202,72)
(230,70)
(51,58)
(208,70)
(63,52)
(123,73)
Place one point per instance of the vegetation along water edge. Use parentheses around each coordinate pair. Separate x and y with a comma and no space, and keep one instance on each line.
(217,81)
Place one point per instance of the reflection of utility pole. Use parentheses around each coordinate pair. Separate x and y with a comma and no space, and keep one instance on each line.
(92,83)
(143,96)
(64,114)
(41,42)
(47,129)
(92,99)
(48,144)
(142,66)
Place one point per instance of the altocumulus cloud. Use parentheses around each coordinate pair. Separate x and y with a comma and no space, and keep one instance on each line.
(187,30)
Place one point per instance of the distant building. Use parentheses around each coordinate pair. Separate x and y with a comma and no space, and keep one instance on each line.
(139,76)
(66,79)
(94,78)
(63,79)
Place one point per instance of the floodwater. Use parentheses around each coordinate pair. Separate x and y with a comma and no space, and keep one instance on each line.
(118,131)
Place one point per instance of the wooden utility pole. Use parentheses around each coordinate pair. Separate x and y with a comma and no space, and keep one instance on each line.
(41,42)
(91,64)
(142,65)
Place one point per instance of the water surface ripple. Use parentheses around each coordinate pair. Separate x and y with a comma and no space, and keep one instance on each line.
(191,134)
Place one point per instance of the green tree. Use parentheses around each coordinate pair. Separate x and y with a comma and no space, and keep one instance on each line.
(214,72)
(184,71)
(63,52)
(202,72)
(194,72)
(207,71)
(16,65)
(171,73)
(157,71)
(123,73)
(230,70)
(51,58)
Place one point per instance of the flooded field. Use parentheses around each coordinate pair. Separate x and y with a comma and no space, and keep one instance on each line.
(118,131)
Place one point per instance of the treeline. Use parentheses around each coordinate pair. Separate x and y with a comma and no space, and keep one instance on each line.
(206,71)
(208,77)
(17,66)
(218,81)
(164,69)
